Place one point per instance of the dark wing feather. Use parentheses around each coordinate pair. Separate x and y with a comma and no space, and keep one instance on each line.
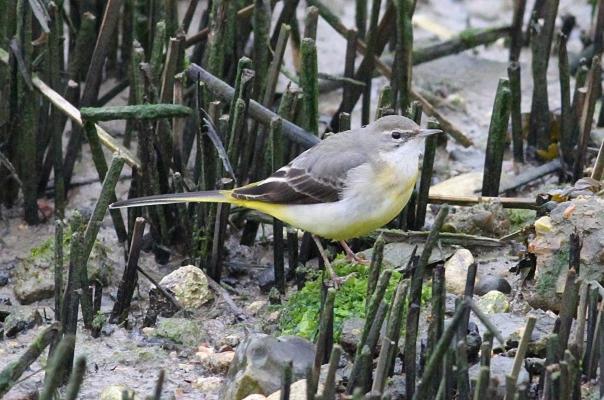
(292,186)
(315,176)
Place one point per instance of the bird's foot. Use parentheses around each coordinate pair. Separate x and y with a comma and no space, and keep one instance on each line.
(351,257)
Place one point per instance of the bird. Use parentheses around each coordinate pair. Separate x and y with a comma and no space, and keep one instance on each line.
(345,186)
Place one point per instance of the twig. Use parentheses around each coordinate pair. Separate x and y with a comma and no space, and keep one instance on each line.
(522,347)
(496,139)
(257,111)
(439,351)
(239,313)
(515,109)
(76,378)
(322,351)
(486,321)
(127,285)
(11,372)
(68,109)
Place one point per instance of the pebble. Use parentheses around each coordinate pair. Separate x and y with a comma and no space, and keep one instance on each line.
(489,282)
(208,384)
(3,278)
(494,302)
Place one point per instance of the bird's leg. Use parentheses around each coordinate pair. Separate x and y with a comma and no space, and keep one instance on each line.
(350,256)
(328,267)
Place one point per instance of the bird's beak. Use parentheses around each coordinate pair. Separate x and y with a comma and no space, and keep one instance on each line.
(424,132)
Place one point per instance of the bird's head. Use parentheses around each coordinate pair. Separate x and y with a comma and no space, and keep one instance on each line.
(400,134)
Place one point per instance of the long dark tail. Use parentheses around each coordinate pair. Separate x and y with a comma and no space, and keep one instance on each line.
(210,196)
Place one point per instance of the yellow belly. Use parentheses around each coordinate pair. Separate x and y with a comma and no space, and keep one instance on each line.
(355,215)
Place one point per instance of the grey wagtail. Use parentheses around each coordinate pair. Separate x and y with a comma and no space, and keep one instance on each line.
(346,186)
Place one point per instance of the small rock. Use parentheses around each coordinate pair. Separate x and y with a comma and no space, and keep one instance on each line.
(231,341)
(500,367)
(180,330)
(485,219)
(259,362)
(108,329)
(352,329)
(511,326)
(118,392)
(190,286)
(456,270)
(266,279)
(217,363)
(489,282)
(208,384)
(297,391)
(494,302)
(551,248)
(158,306)
(3,278)
(20,319)
(398,254)
(33,276)
(255,396)
(534,365)
(255,307)
(473,341)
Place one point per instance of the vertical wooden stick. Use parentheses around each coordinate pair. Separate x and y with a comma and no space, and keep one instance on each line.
(496,140)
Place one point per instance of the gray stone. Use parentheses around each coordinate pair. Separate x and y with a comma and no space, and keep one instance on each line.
(189,285)
(352,329)
(551,246)
(259,362)
(512,325)
(500,367)
(3,278)
(490,282)
(20,319)
(397,254)
(485,219)
(33,276)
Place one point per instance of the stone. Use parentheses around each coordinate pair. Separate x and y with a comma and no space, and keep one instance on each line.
(352,329)
(21,318)
(456,271)
(215,362)
(490,282)
(259,362)
(118,392)
(189,285)
(256,306)
(473,341)
(584,214)
(297,391)
(511,326)
(500,367)
(180,330)
(3,278)
(208,384)
(33,277)
(159,306)
(397,254)
(484,219)
(255,396)
(494,302)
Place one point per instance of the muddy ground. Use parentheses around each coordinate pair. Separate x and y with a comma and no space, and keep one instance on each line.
(464,86)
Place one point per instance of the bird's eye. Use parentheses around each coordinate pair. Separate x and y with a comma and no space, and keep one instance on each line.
(396,134)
